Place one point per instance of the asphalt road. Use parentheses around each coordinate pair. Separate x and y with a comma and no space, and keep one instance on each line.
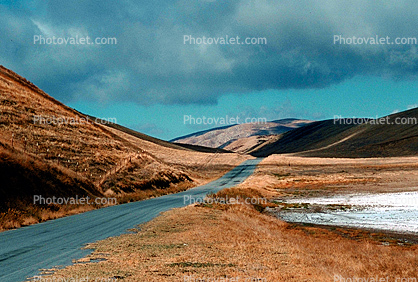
(24,251)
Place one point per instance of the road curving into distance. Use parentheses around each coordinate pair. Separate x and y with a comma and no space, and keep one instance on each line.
(24,251)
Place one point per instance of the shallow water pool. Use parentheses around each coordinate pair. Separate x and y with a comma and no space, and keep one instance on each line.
(385,211)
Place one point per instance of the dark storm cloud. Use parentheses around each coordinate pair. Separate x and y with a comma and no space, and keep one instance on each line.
(150,63)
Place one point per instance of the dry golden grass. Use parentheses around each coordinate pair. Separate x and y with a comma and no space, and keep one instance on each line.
(88,148)
(283,175)
(31,214)
(239,242)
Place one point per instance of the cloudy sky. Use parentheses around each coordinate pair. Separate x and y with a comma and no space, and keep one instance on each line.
(151,79)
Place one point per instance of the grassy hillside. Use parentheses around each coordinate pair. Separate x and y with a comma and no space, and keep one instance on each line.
(223,137)
(160,142)
(50,149)
(351,139)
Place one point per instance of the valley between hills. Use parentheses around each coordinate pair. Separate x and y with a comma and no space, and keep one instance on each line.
(243,240)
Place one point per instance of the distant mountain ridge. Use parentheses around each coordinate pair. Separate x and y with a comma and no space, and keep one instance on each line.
(223,137)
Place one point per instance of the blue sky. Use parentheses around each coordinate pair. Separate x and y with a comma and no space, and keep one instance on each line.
(357,97)
(150,79)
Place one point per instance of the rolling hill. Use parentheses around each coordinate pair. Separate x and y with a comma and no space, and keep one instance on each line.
(49,149)
(236,137)
(359,138)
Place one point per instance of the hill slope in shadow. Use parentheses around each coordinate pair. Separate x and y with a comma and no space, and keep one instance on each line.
(357,138)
